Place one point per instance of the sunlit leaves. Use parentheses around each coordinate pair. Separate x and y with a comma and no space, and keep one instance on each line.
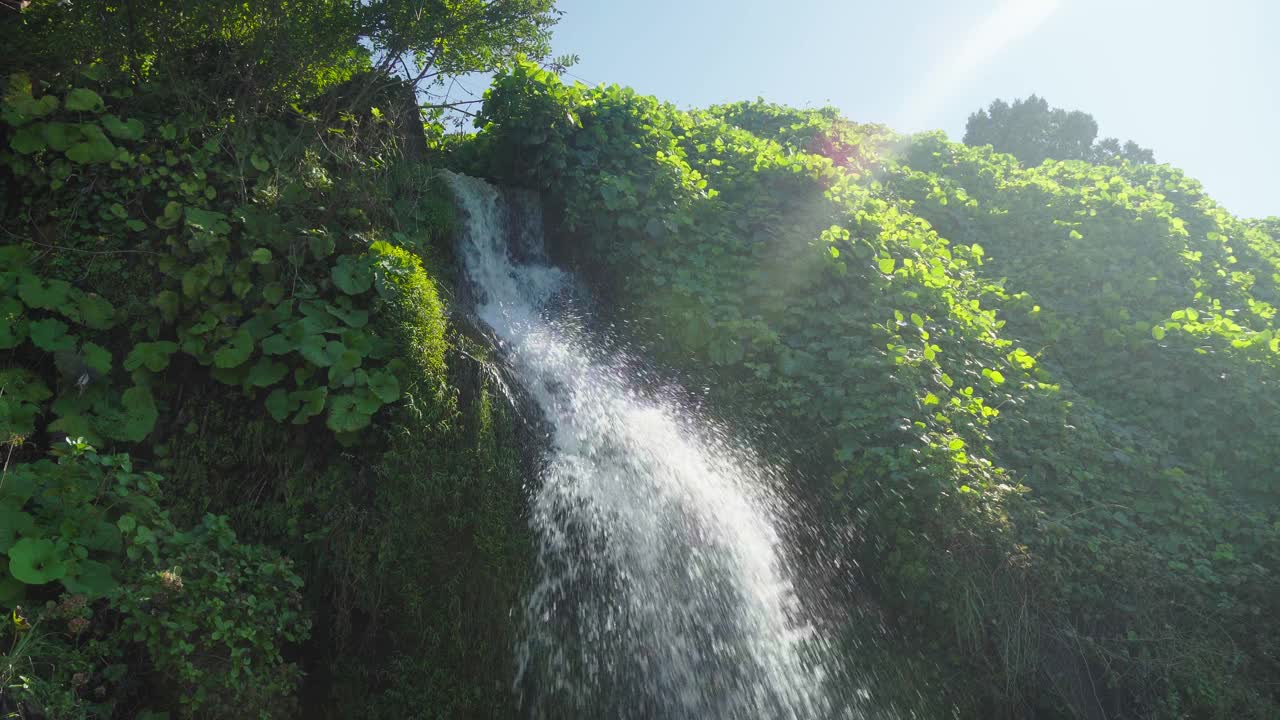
(206,221)
(916,363)
(172,214)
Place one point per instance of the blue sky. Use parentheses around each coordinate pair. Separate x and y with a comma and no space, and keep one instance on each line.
(1198,82)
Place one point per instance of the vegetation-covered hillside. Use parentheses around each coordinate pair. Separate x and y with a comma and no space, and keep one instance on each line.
(1042,398)
(252,464)
(254,461)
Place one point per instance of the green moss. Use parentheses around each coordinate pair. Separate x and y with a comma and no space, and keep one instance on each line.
(451,562)
(413,314)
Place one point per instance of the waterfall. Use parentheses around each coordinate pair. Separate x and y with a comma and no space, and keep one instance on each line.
(662,590)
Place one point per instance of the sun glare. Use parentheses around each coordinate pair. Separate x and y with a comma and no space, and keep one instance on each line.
(1009,22)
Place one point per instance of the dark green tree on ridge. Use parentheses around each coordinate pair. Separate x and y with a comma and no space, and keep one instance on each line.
(1033,132)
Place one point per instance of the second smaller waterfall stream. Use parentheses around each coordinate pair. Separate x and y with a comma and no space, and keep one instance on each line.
(662,588)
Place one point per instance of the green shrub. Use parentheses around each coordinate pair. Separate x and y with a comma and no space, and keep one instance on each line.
(214,622)
(65,523)
(87,534)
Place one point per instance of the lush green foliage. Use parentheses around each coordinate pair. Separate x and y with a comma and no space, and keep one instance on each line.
(1033,132)
(254,57)
(1039,400)
(1154,306)
(209,614)
(1039,397)
(75,522)
(216,219)
(214,624)
(221,263)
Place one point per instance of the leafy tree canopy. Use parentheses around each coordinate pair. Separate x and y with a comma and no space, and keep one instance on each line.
(268,55)
(1034,132)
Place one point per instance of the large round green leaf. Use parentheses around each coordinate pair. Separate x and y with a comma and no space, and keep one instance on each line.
(36,562)
(279,404)
(27,140)
(154,356)
(356,318)
(51,335)
(14,524)
(345,414)
(83,99)
(96,312)
(137,417)
(37,293)
(20,484)
(345,362)
(17,418)
(102,536)
(95,148)
(60,135)
(91,578)
(267,372)
(130,129)
(96,357)
(236,351)
(385,386)
(351,275)
(312,400)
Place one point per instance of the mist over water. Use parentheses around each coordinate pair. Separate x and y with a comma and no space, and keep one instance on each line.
(661,588)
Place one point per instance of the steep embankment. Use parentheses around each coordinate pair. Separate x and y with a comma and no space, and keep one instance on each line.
(243,323)
(1042,398)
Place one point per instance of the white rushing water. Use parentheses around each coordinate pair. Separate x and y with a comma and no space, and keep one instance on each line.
(662,591)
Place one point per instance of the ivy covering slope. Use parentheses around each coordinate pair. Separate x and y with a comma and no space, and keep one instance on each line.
(1043,399)
(249,464)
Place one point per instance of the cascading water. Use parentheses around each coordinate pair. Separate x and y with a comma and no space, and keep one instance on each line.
(662,591)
